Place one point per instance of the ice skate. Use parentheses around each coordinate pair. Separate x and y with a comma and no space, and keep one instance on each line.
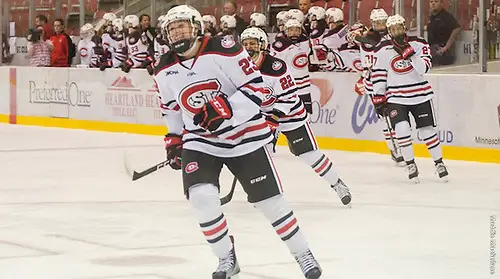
(309,266)
(442,171)
(412,172)
(398,159)
(228,266)
(342,192)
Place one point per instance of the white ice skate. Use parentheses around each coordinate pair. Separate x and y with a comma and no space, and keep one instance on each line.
(442,171)
(398,159)
(228,266)
(342,192)
(413,172)
(308,264)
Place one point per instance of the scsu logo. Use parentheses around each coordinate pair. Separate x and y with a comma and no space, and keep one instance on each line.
(363,113)
(195,95)
(300,61)
(399,65)
(322,115)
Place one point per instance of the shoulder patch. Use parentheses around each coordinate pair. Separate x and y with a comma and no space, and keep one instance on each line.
(417,39)
(277,65)
(223,45)
(228,41)
(278,44)
(273,66)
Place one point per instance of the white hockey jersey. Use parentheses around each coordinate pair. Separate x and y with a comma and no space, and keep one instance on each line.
(160,47)
(119,50)
(335,38)
(296,56)
(86,52)
(281,94)
(221,66)
(402,81)
(107,41)
(137,49)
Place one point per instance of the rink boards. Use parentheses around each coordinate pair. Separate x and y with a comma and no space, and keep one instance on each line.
(467,108)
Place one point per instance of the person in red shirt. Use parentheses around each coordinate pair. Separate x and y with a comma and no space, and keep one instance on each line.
(41,20)
(60,52)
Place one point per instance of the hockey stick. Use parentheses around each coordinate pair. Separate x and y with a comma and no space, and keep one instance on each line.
(229,196)
(137,175)
(389,128)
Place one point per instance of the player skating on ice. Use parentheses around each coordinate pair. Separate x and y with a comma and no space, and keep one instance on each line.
(211,93)
(400,89)
(286,112)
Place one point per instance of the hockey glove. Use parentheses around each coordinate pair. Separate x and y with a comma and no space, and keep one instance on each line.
(105,65)
(213,113)
(380,104)
(127,66)
(173,146)
(402,46)
(272,122)
(359,87)
(148,61)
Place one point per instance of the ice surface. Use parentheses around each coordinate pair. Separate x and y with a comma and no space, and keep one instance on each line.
(68,210)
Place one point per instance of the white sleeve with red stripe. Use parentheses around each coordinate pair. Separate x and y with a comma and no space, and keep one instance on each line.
(378,74)
(421,60)
(170,110)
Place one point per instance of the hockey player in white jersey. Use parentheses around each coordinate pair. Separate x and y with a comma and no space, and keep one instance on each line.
(137,46)
(400,89)
(86,47)
(293,48)
(211,94)
(280,23)
(258,20)
(210,25)
(160,42)
(336,35)
(228,27)
(118,48)
(284,110)
(107,40)
(318,27)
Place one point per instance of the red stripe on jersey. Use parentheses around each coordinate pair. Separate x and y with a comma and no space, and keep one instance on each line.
(247,130)
(256,89)
(302,110)
(432,141)
(378,75)
(396,91)
(287,226)
(299,82)
(216,230)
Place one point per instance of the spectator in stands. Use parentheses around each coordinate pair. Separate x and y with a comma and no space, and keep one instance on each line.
(304,6)
(230,9)
(38,48)
(442,32)
(150,32)
(60,53)
(42,21)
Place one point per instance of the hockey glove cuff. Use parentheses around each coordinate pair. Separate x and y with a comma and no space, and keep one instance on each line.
(213,113)
(380,104)
(402,46)
(127,66)
(173,146)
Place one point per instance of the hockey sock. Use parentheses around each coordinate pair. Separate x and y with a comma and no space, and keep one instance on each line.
(321,165)
(431,140)
(205,200)
(279,213)
(388,141)
(403,132)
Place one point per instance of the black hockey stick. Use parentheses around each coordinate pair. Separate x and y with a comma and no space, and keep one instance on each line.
(137,175)
(389,128)
(229,196)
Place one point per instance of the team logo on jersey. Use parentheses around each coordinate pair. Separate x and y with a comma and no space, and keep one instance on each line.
(278,44)
(277,65)
(357,65)
(401,66)
(83,52)
(269,98)
(194,96)
(300,61)
(191,167)
(393,113)
(228,42)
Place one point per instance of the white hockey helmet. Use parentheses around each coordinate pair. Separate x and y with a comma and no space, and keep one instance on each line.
(258,20)
(160,20)
(109,17)
(295,14)
(378,15)
(334,15)
(227,21)
(209,21)
(118,25)
(280,18)
(392,25)
(188,14)
(255,33)
(316,13)
(131,21)
(293,23)
(87,31)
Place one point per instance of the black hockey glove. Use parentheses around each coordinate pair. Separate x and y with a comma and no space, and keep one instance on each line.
(127,66)
(173,146)
(213,113)
(105,65)
(402,46)
(380,104)
(148,61)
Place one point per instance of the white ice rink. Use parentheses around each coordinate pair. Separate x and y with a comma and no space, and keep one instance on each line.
(68,210)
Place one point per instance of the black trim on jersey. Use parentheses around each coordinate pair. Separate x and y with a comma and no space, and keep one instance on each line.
(285,42)
(392,95)
(253,98)
(347,46)
(267,67)
(228,145)
(303,86)
(408,85)
(215,46)
(230,128)
(166,61)
(417,39)
(301,78)
(289,92)
(382,44)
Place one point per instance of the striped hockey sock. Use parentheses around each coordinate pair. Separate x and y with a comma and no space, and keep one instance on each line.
(321,165)
(434,147)
(405,143)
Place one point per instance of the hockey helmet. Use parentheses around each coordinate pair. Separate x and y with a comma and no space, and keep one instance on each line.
(316,13)
(396,25)
(295,14)
(209,21)
(258,20)
(254,34)
(87,32)
(177,39)
(334,15)
(293,29)
(280,20)
(227,22)
(118,25)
